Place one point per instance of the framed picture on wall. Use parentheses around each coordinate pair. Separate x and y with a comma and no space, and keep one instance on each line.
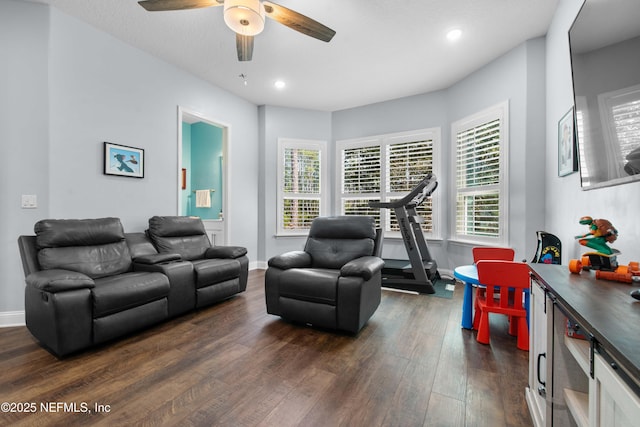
(567,153)
(123,161)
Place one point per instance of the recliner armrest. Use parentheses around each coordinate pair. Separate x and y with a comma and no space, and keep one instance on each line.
(293,259)
(225,252)
(57,280)
(156,258)
(364,267)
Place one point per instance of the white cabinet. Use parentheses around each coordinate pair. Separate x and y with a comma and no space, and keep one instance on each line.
(612,402)
(215,231)
(574,381)
(538,319)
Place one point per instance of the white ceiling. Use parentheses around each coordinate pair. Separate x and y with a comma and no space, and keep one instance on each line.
(383,49)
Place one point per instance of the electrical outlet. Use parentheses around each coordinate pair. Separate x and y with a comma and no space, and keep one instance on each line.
(29,201)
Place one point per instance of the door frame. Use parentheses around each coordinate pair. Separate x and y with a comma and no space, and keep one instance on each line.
(187,113)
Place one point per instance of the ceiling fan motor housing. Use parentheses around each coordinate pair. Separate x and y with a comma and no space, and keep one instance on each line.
(245,17)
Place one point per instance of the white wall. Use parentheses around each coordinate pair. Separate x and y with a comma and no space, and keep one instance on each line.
(566,202)
(68,88)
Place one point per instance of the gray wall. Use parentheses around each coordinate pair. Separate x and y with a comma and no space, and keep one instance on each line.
(280,122)
(565,201)
(68,88)
(517,77)
(24,137)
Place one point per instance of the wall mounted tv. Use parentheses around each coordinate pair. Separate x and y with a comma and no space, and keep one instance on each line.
(605,62)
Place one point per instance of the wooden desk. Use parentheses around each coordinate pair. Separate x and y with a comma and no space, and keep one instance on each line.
(603,306)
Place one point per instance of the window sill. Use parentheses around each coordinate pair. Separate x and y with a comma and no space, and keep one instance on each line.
(289,235)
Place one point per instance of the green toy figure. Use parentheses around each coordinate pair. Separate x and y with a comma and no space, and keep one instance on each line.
(601,232)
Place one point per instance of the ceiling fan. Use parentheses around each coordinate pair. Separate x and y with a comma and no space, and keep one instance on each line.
(246,19)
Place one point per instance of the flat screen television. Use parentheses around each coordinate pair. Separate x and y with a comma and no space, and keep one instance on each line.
(605,62)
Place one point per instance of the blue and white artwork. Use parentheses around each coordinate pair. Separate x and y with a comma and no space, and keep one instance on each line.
(124,161)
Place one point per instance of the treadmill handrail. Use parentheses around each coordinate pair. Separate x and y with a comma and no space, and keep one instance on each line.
(423,189)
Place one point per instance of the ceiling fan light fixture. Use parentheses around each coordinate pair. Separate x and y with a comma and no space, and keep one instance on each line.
(244,17)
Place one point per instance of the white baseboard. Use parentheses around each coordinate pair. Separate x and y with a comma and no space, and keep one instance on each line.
(258,265)
(12,318)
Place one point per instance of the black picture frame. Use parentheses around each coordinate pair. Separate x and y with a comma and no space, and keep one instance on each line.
(567,152)
(122,160)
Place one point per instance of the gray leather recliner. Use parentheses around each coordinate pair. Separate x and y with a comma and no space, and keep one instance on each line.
(81,287)
(335,282)
(218,271)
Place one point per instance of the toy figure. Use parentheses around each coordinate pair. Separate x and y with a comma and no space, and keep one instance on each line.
(604,259)
(601,232)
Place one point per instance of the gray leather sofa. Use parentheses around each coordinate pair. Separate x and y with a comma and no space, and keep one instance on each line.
(218,271)
(336,282)
(87,282)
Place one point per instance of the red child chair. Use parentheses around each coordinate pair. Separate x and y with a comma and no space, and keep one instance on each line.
(488,253)
(512,279)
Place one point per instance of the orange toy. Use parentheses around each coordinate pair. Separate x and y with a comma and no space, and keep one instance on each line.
(605,260)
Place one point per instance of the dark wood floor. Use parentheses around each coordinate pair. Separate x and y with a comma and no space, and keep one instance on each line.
(235,365)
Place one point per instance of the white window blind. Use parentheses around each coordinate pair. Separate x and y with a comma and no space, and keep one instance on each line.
(361,180)
(408,163)
(480,187)
(361,170)
(300,198)
(386,168)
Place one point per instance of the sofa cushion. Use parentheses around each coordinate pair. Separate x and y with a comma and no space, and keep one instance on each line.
(334,241)
(55,233)
(95,247)
(185,236)
(335,253)
(310,284)
(116,293)
(210,271)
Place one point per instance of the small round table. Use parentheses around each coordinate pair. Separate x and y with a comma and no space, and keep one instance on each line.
(468,274)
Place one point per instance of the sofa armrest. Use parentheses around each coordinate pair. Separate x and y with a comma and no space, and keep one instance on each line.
(225,252)
(57,280)
(293,259)
(156,258)
(364,267)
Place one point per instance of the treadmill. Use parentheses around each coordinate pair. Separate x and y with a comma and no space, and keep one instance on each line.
(417,273)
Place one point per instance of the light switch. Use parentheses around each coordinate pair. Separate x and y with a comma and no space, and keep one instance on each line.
(29,201)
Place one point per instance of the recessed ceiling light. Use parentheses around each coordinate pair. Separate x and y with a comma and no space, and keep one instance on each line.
(279,84)
(454,35)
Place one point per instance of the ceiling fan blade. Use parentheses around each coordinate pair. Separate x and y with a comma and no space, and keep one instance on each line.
(244,45)
(298,21)
(162,5)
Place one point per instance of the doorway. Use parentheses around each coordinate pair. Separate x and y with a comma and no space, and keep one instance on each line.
(202,172)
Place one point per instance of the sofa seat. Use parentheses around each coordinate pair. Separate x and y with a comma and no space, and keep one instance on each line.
(310,284)
(212,271)
(117,293)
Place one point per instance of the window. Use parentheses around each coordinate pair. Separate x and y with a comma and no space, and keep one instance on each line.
(386,168)
(480,143)
(301,184)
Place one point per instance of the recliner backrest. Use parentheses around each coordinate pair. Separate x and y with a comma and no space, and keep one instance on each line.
(95,247)
(334,241)
(181,235)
